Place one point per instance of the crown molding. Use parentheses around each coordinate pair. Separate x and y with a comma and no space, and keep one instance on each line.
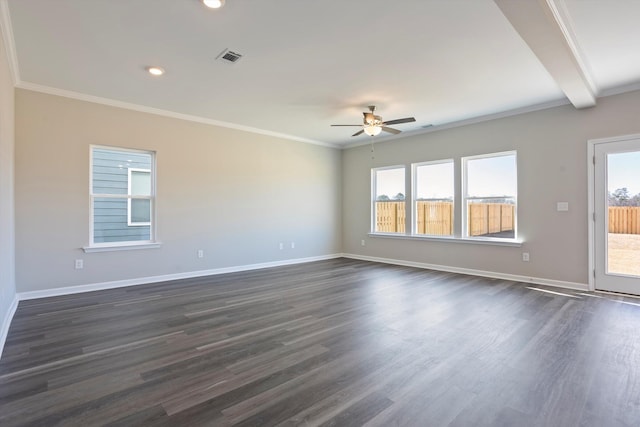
(470,121)
(160,112)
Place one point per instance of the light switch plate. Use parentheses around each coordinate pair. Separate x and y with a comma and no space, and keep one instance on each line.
(562,206)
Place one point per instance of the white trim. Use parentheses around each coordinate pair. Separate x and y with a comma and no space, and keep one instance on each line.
(69,290)
(121,246)
(473,272)
(619,138)
(6,322)
(9,41)
(160,112)
(495,241)
(591,209)
(617,90)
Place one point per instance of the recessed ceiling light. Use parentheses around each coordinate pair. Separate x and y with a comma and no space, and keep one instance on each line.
(213,4)
(155,71)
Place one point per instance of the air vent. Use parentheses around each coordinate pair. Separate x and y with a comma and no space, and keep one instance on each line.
(426,126)
(229,56)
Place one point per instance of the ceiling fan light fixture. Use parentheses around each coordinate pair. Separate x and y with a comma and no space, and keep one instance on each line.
(213,4)
(372,130)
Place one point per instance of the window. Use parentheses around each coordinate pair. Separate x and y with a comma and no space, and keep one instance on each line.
(489,194)
(433,192)
(388,208)
(139,209)
(487,199)
(122,196)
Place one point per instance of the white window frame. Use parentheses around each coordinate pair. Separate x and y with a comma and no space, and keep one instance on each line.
(123,245)
(374,187)
(465,198)
(414,192)
(131,223)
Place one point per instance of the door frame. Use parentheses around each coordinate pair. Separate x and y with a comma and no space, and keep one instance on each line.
(591,211)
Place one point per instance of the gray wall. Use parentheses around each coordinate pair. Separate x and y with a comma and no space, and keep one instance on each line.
(552,167)
(7,278)
(233,194)
(237,195)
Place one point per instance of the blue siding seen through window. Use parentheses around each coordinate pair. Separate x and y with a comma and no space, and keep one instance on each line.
(110,173)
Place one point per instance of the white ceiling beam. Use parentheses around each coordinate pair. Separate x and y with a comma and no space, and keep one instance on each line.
(6,32)
(540,24)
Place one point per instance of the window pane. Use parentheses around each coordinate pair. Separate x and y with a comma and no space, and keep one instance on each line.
(110,222)
(140,183)
(434,186)
(140,211)
(110,169)
(492,176)
(390,184)
(623,236)
(389,205)
(490,196)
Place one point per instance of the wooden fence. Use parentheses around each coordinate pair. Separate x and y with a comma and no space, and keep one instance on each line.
(390,217)
(436,218)
(624,219)
(487,218)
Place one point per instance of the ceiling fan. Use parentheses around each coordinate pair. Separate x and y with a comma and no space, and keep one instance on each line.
(372,125)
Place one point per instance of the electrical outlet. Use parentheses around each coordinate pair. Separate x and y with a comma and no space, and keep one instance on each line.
(293,245)
(79,264)
(200,253)
(362,242)
(281,246)
(525,256)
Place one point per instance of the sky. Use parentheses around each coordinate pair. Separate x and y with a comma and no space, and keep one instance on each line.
(492,176)
(623,170)
(488,177)
(390,182)
(435,181)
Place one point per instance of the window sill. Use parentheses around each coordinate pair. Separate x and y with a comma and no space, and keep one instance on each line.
(121,247)
(474,241)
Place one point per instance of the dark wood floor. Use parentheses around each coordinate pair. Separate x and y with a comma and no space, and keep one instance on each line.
(340,342)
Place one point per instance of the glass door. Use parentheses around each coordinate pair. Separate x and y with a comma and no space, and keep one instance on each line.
(617,216)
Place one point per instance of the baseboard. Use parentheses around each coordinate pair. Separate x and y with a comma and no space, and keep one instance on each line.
(6,322)
(490,274)
(69,290)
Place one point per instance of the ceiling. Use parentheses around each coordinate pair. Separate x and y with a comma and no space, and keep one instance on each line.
(309,64)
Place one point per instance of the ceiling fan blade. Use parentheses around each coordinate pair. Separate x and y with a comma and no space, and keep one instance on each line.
(358,133)
(398,121)
(390,130)
(346,125)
